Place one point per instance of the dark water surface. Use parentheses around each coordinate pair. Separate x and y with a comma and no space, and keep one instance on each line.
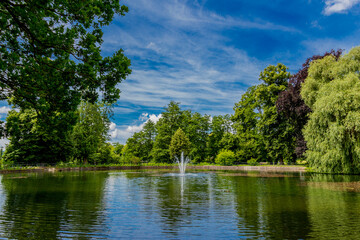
(162,205)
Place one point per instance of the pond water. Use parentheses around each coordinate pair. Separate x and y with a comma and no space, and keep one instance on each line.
(163,205)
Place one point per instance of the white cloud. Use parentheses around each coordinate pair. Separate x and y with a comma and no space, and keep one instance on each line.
(181,14)
(122,133)
(182,55)
(338,6)
(4,110)
(4,142)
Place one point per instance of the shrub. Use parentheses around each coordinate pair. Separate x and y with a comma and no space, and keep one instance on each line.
(225,157)
(252,162)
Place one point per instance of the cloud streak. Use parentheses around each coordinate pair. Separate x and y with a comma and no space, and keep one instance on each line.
(338,6)
(181,55)
(204,58)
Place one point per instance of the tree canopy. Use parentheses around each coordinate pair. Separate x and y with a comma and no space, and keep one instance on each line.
(262,133)
(293,107)
(50,61)
(50,55)
(332,91)
(179,144)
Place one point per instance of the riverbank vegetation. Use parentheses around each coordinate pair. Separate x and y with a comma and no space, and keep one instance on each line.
(62,90)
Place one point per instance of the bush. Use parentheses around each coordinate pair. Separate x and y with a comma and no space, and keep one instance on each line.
(104,155)
(225,157)
(135,160)
(252,162)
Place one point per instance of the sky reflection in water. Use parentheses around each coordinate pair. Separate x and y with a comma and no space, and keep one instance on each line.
(158,204)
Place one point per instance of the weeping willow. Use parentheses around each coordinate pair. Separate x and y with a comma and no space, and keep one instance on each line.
(332,91)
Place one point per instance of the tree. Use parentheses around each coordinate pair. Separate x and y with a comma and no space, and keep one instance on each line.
(50,60)
(90,132)
(332,91)
(51,53)
(148,135)
(31,142)
(293,107)
(220,125)
(179,143)
(276,133)
(246,117)
(118,148)
(194,125)
(105,153)
(225,157)
(172,119)
(197,129)
(262,132)
(141,143)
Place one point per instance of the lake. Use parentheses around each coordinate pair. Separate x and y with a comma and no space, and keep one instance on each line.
(163,205)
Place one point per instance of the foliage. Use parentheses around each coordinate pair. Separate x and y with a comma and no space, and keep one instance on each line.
(263,133)
(33,142)
(225,157)
(219,127)
(276,132)
(332,91)
(252,162)
(179,143)
(172,119)
(50,61)
(293,107)
(194,125)
(246,118)
(197,130)
(118,148)
(141,143)
(51,53)
(90,131)
(104,154)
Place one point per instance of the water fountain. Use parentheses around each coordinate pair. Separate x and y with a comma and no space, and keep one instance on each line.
(182,162)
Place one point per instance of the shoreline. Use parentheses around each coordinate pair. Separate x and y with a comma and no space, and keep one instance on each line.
(206,167)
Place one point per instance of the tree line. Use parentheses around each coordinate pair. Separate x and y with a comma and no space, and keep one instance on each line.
(312,115)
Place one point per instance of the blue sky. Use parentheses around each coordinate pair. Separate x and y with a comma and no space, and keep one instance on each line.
(205,54)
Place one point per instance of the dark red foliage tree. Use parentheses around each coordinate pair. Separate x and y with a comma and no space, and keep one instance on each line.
(292,105)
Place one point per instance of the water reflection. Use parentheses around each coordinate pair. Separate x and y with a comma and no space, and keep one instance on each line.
(159,205)
(271,207)
(48,206)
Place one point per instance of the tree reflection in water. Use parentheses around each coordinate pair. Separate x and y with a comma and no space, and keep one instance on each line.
(159,205)
(49,206)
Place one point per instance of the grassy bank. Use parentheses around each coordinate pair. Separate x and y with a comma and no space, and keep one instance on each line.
(104,167)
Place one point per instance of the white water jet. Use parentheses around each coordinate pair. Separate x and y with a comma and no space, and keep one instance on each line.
(182,162)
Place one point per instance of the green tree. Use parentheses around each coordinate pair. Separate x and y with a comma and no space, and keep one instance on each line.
(51,53)
(29,137)
(179,143)
(141,143)
(172,119)
(275,129)
(118,148)
(105,153)
(197,129)
(194,125)
(51,60)
(332,91)
(264,134)
(246,120)
(91,130)
(219,127)
(225,157)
